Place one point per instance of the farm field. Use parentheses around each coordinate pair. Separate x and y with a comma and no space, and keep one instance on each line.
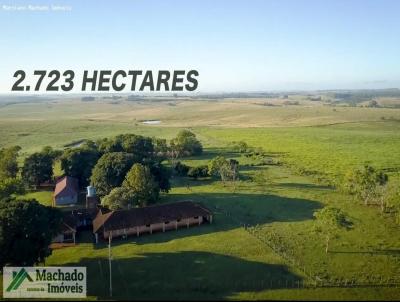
(326,151)
(278,255)
(223,260)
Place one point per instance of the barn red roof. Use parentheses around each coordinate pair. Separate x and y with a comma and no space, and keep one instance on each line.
(66,186)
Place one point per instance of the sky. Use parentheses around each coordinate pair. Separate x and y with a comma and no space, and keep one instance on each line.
(242,45)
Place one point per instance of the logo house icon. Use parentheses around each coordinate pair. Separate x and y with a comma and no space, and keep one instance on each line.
(17,279)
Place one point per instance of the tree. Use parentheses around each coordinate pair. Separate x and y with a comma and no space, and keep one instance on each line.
(140,146)
(173,156)
(38,168)
(181,169)
(110,170)
(160,146)
(226,169)
(234,169)
(240,146)
(140,182)
(51,152)
(161,175)
(388,197)
(26,231)
(364,183)
(382,194)
(120,198)
(8,162)
(329,221)
(107,145)
(90,145)
(9,183)
(186,143)
(394,202)
(199,171)
(9,186)
(79,162)
(373,104)
(219,167)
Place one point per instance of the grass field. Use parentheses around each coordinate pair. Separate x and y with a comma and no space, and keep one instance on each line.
(327,150)
(44,197)
(222,260)
(316,143)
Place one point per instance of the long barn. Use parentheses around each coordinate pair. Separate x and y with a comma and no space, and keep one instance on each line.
(147,220)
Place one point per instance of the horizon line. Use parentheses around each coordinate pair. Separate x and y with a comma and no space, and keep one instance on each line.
(172,93)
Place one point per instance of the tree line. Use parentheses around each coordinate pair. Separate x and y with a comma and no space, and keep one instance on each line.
(126,170)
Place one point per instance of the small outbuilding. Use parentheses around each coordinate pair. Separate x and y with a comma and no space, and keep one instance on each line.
(66,191)
(147,220)
(73,222)
(68,229)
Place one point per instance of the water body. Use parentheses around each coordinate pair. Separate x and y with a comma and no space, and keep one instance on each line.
(151,122)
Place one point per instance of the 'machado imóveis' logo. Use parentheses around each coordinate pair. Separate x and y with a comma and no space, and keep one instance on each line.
(44,282)
(18,278)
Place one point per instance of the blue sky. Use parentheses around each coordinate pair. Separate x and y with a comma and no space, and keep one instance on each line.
(245,45)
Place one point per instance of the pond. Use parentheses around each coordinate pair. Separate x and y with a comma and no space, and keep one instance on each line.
(151,122)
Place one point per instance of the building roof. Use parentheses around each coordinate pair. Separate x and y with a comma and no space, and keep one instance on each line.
(66,186)
(84,214)
(72,219)
(123,219)
(69,223)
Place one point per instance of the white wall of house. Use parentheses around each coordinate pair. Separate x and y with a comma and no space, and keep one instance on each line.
(156,227)
(61,238)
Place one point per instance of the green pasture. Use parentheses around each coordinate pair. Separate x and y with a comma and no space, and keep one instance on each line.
(324,151)
(312,147)
(224,261)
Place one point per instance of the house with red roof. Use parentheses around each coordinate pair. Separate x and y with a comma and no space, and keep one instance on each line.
(66,191)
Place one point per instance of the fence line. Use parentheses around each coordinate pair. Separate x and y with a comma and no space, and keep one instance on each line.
(313,280)
(278,250)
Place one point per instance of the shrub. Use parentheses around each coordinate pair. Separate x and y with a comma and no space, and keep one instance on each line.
(196,172)
(181,169)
